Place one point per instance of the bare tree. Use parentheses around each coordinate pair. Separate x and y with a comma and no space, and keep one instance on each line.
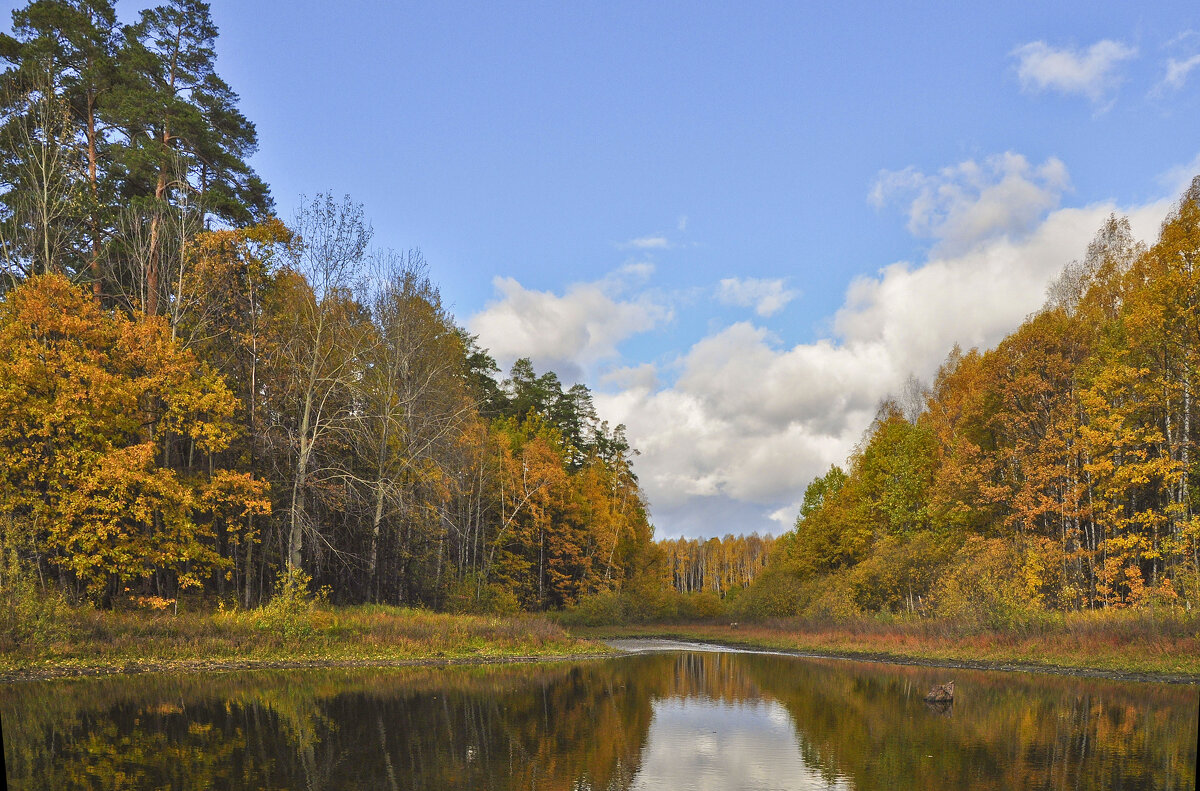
(412,400)
(914,397)
(318,330)
(44,175)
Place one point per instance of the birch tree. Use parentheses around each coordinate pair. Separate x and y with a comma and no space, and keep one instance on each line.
(317,329)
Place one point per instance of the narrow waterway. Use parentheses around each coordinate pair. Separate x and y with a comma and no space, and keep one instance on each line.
(674,717)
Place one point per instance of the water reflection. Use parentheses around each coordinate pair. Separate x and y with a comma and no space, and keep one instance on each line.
(658,721)
(698,743)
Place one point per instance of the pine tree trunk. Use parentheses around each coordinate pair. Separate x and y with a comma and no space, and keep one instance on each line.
(152,267)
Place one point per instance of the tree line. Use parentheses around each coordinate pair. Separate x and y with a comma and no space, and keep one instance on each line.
(199,396)
(1057,471)
(724,566)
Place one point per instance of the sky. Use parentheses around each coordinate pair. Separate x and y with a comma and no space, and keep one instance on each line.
(742,224)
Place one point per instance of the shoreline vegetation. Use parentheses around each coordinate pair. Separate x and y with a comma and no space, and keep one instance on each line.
(1072,650)
(88,641)
(1149,646)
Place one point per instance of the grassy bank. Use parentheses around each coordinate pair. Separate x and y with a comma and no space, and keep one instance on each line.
(1135,642)
(83,640)
(40,637)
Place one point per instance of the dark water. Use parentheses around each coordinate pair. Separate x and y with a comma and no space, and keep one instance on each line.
(681,720)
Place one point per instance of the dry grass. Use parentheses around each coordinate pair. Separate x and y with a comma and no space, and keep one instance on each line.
(1132,641)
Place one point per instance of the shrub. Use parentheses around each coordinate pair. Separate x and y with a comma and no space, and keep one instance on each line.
(289,611)
(468,596)
(834,599)
(984,584)
(776,593)
(30,616)
(601,609)
(899,573)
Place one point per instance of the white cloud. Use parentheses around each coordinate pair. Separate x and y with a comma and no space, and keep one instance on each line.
(1181,37)
(638,270)
(632,377)
(1178,71)
(767,297)
(565,332)
(1176,180)
(750,420)
(972,201)
(682,224)
(648,243)
(1091,72)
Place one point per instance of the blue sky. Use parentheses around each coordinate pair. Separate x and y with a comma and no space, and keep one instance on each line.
(741,224)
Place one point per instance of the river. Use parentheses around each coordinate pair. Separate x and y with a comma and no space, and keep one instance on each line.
(676,717)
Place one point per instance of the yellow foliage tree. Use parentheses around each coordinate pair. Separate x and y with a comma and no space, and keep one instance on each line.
(90,399)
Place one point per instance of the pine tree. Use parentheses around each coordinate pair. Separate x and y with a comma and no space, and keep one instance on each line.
(188,144)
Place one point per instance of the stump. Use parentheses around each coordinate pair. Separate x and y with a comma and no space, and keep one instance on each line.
(941,693)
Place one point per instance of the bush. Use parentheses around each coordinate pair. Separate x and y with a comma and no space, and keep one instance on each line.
(29,616)
(834,599)
(701,606)
(601,609)
(467,596)
(899,573)
(776,593)
(289,611)
(984,585)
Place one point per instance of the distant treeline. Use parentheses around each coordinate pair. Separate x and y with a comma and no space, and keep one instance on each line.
(1057,471)
(197,396)
(717,565)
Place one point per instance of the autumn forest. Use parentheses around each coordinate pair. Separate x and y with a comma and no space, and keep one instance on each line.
(201,401)
(198,397)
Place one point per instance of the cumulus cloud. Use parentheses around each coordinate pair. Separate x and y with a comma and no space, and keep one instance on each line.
(570,331)
(965,204)
(1091,72)
(632,377)
(767,297)
(749,419)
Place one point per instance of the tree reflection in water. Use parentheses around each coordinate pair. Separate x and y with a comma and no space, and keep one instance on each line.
(719,720)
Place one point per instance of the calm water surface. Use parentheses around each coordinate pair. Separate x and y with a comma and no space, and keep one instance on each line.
(682,719)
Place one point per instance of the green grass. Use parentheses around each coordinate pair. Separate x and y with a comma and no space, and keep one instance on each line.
(84,639)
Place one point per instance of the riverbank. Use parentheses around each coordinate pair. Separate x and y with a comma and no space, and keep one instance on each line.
(93,642)
(86,642)
(1123,647)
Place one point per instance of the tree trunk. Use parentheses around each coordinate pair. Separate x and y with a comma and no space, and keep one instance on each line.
(153,264)
(97,290)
